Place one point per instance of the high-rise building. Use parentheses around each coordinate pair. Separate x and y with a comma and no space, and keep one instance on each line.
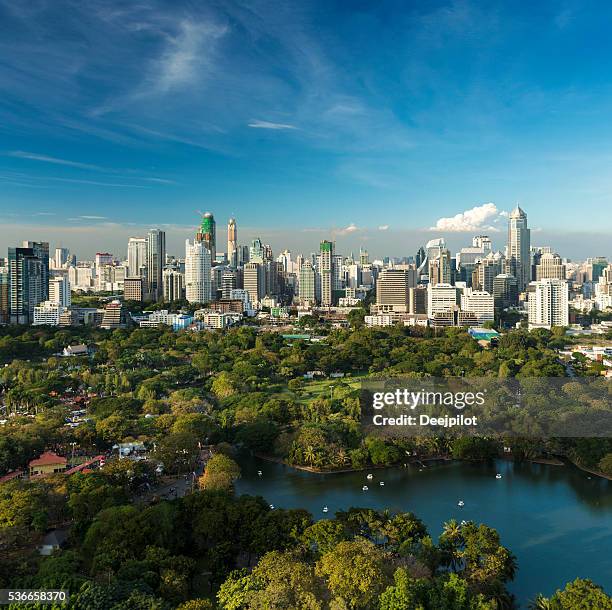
(480,303)
(548,303)
(27,286)
(232,241)
(156,258)
(486,270)
(550,266)
(136,255)
(4,292)
(133,289)
(115,316)
(440,269)
(254,281)
(482,242)
(60,258)
(207,234)
(505,291)
(325,272)
(307,282)
(441,298)
(519,247)
(59,291)
(393,290)
(174,285)
(364,258)
(41,250)
(197,272)
(256,251)
(229,282)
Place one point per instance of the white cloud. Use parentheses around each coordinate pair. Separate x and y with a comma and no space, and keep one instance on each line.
(383,227)
(352,228)
(478,218)
(257,124)
(20,154)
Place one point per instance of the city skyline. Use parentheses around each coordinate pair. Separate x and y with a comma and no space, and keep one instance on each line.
(340,122)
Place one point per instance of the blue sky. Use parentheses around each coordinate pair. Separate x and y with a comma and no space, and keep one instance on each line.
(366,121)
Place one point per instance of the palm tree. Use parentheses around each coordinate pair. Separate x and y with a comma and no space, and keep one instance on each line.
(310,456)
(540,603)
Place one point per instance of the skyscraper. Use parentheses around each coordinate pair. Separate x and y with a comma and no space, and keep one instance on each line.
(156,258)
(61,257)
(41,250)
(136,255)
(27,287)
(519,247)
(548,304)
(325,271)
(232,241)
(197,272)
(307,282)
(208,234)
(59,291)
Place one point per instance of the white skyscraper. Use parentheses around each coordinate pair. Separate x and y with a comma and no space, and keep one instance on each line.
(197,272)
(59,291)
(519,247)
(548,303)
(136,255)
(480,303)
(441,298)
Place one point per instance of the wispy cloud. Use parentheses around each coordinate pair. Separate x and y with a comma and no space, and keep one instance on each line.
(477,218)
(20,154)
(383,227)
(257,124)
(352,228)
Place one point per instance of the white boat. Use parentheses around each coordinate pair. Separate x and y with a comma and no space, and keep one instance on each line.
(461,503)
(325,509)
(259,473)
(382,483)
(464,522)
(370,477)
(271,506)
(364,488)
(498,476)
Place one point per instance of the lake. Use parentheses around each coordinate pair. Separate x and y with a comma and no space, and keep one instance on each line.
(557,520)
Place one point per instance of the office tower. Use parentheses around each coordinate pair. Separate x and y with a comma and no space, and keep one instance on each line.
(104,258)
(325,272)
(26,284)
(136,255)
(174,285)
(441,298)
(595,267)
(60,258)
(420,257)
(519,247)
(482,242)
(197,272)
(434,247)
(41,250)
(254,281)
(393,289)
(417,300)
(242,256)
(550,266)
(156,259)
(480,303)
(505,291)
(307,282)
(232,241)
(548,303)
(272,278)
(486,270)
(364,258)
(133,289)
(440,268)
(353,276)
(256,251)
(229,282)
(59,291)
(207,235)
(81,276)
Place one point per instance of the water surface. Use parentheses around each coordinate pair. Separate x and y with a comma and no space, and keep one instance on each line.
(557,520)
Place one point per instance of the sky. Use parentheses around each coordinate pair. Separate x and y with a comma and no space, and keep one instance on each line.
(378,124)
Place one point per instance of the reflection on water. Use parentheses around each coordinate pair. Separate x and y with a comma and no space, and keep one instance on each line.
(555,519)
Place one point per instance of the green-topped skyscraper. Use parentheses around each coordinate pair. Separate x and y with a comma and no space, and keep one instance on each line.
(208,234)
